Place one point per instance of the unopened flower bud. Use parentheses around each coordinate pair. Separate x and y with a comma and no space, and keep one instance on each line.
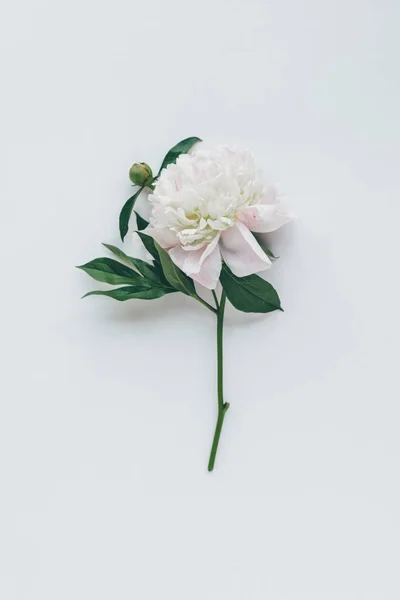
(141,174)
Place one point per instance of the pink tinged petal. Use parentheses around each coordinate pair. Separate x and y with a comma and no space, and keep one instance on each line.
(210,270)
(163,236)
(241,251)
(263,218)
(203,265)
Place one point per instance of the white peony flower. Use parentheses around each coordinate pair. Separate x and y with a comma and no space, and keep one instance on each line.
(205,208)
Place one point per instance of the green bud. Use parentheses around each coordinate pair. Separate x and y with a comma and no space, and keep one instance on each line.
(141,174)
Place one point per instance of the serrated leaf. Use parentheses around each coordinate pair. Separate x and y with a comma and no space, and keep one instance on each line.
(133,293)
(180,148)
(148,271)
(126,212)
(249,294)
(111,271)
(174,275)
(140,222)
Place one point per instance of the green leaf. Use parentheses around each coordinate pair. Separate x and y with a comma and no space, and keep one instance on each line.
(133,293)
(149,244)
(174,275)
(249,294)
(140,222)
(126,212)
(110,271)
(181,148)
(139,265)
(267,251)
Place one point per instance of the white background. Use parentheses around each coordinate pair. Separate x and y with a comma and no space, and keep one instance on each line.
(108,409)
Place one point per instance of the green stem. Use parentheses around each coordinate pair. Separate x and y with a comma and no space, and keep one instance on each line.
(204,303)
(222,406)
(215,299)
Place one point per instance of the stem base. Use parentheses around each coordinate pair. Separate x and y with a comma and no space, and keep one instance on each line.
(217,435)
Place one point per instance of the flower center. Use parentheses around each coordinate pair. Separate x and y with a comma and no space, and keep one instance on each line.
(200,226)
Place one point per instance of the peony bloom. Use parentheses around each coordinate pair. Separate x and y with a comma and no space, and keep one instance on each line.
(205,208)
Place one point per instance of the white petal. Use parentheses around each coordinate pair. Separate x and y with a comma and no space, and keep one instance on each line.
(270,195)
(263,218)
(241,251)
(163,236)
(203,265)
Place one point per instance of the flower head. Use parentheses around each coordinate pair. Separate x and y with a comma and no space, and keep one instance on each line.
(205,208)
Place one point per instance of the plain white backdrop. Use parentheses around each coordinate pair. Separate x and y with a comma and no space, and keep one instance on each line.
(108,409)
